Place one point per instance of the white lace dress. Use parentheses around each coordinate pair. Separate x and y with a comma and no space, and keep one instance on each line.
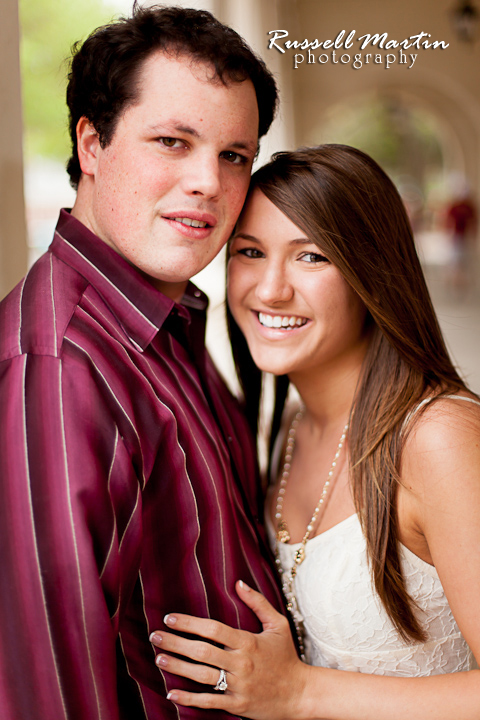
(346,626)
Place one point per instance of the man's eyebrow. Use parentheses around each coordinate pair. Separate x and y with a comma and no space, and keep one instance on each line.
(174,126)
(247,147)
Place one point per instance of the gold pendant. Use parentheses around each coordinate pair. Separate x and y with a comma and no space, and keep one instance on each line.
(300,555)
(283,535)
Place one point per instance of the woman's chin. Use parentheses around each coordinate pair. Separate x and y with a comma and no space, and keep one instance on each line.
(272,367)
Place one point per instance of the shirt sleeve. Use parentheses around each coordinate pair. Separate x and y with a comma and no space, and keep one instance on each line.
(70,508)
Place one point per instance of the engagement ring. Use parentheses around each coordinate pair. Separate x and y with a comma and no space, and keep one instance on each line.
(222,681)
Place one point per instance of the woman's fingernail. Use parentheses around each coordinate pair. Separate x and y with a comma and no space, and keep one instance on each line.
(156,638)
(172,696)
(169,619)
(243,585)
(161,660)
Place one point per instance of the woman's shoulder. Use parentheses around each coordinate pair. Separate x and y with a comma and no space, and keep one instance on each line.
(441,416)
(439,493)
(444,437)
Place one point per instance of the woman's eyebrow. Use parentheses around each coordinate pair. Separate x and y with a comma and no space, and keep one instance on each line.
(251,238)
(245,236)
(302,241)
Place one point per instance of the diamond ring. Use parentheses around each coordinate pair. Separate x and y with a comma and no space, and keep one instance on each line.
(222,681)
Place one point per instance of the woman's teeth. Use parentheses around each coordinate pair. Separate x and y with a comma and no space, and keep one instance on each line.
(281,321)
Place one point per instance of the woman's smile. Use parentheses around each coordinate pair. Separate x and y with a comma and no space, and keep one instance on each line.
(281,322)
(293,305)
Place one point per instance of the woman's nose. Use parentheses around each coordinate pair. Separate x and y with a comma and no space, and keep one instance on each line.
(274,286)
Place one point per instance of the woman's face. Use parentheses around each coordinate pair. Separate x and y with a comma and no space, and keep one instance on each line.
(295,309)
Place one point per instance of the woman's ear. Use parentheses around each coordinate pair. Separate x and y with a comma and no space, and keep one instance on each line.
(88,146)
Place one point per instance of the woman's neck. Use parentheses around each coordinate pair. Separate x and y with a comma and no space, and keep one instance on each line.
(328,392)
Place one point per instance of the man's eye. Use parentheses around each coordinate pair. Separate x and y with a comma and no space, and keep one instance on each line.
(233,157)
(170,142)
(313,258)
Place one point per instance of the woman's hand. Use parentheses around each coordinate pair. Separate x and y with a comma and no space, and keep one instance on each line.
(266,679)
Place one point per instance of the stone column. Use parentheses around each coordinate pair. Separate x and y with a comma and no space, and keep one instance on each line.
(13,234)
(253,19)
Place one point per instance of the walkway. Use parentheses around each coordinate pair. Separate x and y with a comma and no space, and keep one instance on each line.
(460,323)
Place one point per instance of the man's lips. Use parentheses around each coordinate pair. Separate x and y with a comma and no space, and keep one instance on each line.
(191,223)
(192,218)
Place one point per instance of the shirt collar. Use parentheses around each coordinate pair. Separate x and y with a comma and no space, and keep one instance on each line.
(139,307)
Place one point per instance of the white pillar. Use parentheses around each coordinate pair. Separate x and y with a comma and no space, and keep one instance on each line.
(13,235)
(253,19)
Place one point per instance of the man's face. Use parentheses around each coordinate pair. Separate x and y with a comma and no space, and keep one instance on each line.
(166,192)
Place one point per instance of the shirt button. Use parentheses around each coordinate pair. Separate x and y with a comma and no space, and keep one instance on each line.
(197,293)
(230,439)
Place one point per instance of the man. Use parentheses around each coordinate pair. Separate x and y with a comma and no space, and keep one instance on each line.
(128,474)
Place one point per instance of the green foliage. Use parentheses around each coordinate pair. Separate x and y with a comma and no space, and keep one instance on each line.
(49,28)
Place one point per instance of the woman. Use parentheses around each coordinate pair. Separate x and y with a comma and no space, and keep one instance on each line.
(374,512)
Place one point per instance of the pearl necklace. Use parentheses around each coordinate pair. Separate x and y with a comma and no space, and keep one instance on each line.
(283,534)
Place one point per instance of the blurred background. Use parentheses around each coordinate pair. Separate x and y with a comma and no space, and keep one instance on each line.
(420,121)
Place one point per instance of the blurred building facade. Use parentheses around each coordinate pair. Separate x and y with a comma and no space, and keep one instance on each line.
(321,88)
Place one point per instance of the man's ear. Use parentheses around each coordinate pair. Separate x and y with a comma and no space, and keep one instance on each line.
(88,146)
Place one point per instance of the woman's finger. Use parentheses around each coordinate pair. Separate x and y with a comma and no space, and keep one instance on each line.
(206,628)
(265,612)
(194,649)
(207,701)
(200,673)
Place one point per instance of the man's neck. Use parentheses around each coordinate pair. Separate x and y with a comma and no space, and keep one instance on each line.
(174,291)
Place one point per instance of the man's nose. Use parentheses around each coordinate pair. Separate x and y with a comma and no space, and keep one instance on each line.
(203,176)
(274,285)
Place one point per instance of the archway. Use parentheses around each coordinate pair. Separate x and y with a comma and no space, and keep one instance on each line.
(412,136)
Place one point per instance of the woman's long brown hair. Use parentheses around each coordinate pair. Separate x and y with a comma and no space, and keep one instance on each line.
(344,202)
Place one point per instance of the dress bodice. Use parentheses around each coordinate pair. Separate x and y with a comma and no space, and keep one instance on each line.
(346,625)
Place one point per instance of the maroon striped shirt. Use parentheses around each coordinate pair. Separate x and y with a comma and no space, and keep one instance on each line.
(128,487)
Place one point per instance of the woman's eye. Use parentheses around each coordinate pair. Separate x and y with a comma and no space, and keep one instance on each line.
(170,142)
(250,252)
(313,258)
(233,157)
